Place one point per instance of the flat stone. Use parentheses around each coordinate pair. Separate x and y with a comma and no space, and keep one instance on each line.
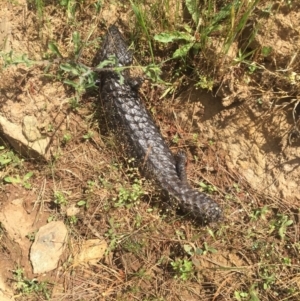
(48,246)
(29,128)
(91,251)
(14,134)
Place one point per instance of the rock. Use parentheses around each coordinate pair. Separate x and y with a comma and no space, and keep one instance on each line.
(72,210)
(14,134)
(30,129)
(48,246)
(90,251)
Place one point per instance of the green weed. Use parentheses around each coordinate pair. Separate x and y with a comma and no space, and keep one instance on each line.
(133,247)
(112,235)
(240,295)
(281,223)
(9,158)
(70,6)
(128,196)
(98,6)
(268,278)
(60,198)
(83,203)
(52,217)
(259,213)
(143,24)
(176,138)
(10,59)
(207,187)
(85,75)
(18,180)
(66,138)
(88,136)
(183,268)
(251,295)
(231,18)
(28,286)
(204,82)
(31,236)
(207,249)
(72,220)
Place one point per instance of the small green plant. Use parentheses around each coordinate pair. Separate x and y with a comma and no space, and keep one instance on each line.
(90,184)
(176,138)
(281,224)
(9,158)
(205,83)
(259,213)
(31,236)
(98,6)
(184,269)
(236,187)
(207,187)
(133,246)
(242,57)
(17,180)
(138,221)
(88,192)
(60,198)
(268,278)
(72,220)
(206,249)
(76,75)
(5,158)
(287,261)
(39,6)
(51,218)
(188,249)
(187,37)
(127,197)
(83,203)
(66,138)
(266,51)
(88,136)
(111,234)
(85,74)
(29,286)
(50,128)
(153,72)
(142,20)
(10,59)
(244,296)
(74,103)
(239,295)
(70,6)
(206,22)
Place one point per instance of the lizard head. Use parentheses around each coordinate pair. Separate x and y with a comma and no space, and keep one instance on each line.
(114,45)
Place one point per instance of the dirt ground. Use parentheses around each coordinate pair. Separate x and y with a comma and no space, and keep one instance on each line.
(239,138)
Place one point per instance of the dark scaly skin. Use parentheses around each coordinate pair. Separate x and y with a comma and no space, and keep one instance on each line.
(181,160)
(127,114)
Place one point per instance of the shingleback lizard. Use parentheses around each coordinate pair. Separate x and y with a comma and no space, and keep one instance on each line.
(128,116)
